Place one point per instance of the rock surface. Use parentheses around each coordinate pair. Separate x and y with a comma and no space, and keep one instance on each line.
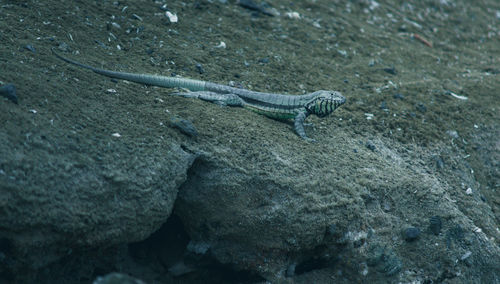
(91,169)
(255,216)
(80,194)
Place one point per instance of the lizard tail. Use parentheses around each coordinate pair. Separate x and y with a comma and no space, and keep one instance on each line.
(74,62)
(147,79)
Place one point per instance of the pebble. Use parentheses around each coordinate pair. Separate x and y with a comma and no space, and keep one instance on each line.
(200,69)
(370,145)
(391,70)
(30,48)
(452,133)
(421,107)
(185,126)
(399,96)
(264,60)
(411,234)
(63,47)
(9,91)
(249,4)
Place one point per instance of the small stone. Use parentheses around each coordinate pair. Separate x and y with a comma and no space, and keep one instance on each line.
(185,126)
(398,96)
(200,69)
(421,107)
(370,145)
(264,60)
(391,70)
(452,133)
(30,48)
(249,4)
(9,91)
(411,234)
(63,47)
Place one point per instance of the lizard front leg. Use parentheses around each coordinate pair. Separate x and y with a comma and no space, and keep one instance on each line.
(216,98)
(299,126)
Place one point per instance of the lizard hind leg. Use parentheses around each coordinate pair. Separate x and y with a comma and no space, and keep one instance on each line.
(216,98)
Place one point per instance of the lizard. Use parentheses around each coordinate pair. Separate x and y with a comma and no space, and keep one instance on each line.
(277,106)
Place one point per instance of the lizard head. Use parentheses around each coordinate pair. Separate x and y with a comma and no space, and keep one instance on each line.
(324,102)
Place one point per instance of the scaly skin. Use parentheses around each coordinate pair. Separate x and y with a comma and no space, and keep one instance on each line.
(277,106)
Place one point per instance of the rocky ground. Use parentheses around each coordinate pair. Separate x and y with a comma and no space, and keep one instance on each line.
(97,176)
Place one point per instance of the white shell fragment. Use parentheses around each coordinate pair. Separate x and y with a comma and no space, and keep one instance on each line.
(457,96)
(171,17)
(137,17)
(221,45)
(466,255)
(468,191)
(293,15)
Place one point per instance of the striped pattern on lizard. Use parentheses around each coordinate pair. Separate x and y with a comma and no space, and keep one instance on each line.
(277,106)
